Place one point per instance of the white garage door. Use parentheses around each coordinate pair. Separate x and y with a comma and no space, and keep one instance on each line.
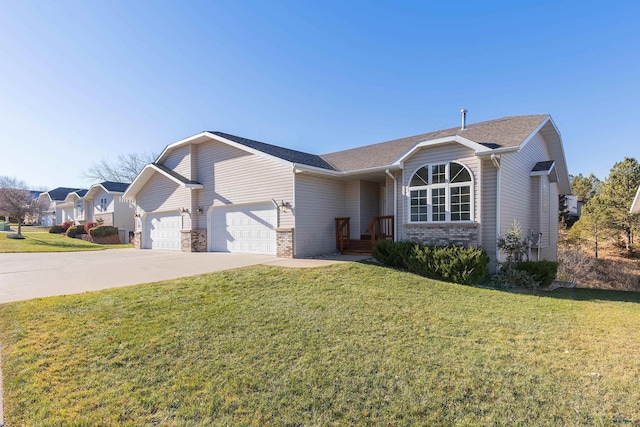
(245,228)
(162,231)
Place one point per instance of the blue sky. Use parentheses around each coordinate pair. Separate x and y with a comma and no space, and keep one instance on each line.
(82,81)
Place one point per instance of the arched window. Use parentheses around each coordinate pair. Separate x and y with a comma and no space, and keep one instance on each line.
(441,192)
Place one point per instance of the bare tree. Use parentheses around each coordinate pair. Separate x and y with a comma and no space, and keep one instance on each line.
(16,201)
(124,168)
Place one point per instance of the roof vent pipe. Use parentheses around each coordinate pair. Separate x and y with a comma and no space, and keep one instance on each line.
(464,119)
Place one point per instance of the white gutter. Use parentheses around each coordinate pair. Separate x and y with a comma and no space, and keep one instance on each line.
(496,162)
(395,205)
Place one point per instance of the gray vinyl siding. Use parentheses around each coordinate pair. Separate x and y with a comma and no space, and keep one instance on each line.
(400,214)
(102,194)
(123,216)
(369,203)
(489,182)
(388,209)
(318,201)
(438,155)
(551,253)
(180,161)
(544,210)
(352,206)
(517,186)
(233,176)
(161,194)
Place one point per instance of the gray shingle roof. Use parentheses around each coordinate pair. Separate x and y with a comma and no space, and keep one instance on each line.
(287,154)
(499,133)
(60,193)
(117,187)
(543,166)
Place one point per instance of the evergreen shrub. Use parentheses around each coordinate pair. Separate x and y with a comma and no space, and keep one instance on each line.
(458,264)
(543,272)
(103,231)
(74,230)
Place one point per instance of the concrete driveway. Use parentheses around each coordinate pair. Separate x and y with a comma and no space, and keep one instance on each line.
(32,275)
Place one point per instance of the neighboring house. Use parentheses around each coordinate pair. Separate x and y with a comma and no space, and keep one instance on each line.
(73,207)
(635,206)
(104,202)
(219,192)
(53,199)
(574,209)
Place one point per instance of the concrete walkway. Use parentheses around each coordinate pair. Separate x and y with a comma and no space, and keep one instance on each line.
(34,275)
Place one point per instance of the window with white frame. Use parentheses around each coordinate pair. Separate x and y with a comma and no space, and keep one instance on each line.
(441,192)
(103,205)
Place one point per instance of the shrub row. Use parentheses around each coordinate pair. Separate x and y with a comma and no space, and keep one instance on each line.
(103,231)
(91,228)
(74,230)
(56,229)
(451,263)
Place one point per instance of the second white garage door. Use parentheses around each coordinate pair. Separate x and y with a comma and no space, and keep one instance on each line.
(162,231)
(244,228)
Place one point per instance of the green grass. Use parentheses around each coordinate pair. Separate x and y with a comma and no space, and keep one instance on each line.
(349,344)
(38,239)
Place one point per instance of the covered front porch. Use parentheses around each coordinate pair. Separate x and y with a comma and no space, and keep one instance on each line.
(370,213)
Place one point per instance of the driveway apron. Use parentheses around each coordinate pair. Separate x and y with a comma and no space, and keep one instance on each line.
(33,275)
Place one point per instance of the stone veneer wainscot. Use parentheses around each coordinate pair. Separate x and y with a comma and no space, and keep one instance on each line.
(461,234)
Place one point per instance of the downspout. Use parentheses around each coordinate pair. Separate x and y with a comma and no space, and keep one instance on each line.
(293,212)
(496,162)
(395,205)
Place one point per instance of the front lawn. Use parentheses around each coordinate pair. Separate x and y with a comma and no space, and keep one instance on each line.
(349,344)
(40,240)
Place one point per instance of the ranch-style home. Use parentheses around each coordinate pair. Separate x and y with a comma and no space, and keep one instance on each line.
(219,192)
(54,200)
(101,202)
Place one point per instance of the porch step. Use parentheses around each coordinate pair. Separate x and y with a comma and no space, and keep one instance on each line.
(358,247)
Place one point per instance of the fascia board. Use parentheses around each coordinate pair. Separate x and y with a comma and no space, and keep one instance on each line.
(438,141)
(306,168)
(373,169)
(95,188)
(490,151)
(69,198)
(176,144)
(138,182)
(557,152)
(47,195)
(174,179)
(635,206)
(144,176)
(314,169)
